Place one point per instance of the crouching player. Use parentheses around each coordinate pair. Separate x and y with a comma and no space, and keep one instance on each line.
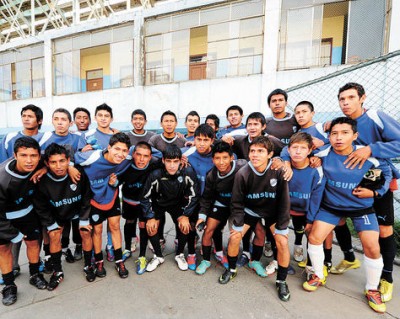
(216,199)
(260,192)
(173,189)
(57,201)
(344,197)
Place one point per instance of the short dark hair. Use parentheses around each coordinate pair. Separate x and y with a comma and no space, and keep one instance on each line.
(276,92)
(168,113)
(264,141)
(234,108)
(65,111)
(256,116)
(192,113)
(138,112)
(26,142)
(301,137)
(35,109)
(55,149)
(120,138)
(144,145)
(221,147)
(81,109)
(104,107)
(308,103)
(205,130)
(352,85)
(214,118)
(344,120)
(171,152)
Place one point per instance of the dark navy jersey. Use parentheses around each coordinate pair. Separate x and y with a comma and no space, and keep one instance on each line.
(218,189)
(341,181)
(164,191)
(7,144)
(264,195)
(16,194)
(136,138)
(160,142)
(61,199)
(282,129)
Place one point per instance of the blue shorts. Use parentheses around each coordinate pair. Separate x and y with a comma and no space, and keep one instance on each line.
(361,223)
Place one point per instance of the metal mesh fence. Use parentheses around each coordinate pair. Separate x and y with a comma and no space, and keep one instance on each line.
(380,80)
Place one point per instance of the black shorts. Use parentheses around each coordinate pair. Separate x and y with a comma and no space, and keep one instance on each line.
(251,220)
(131,212)
(220,213)
(28,225)
(97,216)
(384,209)
(173,211)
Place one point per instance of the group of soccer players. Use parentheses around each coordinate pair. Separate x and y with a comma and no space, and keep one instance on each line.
(254,176)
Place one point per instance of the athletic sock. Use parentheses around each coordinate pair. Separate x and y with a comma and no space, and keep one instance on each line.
(144,237)
(328,255)
(191,240)
(182,240)
(217,238)
(87,256)
(388,251)
(9,278)
(98,257)
(349,255)
(282,273)
(56,261)
(33,268)
(316,253)
(46,249)
(373,270)
(343,237)
(155,242)
(206,252)
(232,262)
(128,235)
(298,225)
(118,254)
(257,252)
(246,240)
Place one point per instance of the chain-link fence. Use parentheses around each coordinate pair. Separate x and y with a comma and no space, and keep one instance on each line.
(380,80)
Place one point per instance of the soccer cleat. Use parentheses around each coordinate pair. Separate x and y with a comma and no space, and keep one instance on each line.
(227,276)
(303,263)
(271,267)
(17,271)
(243,260)
(291,270)
(134,244)
(386,290)
(202,268)
(328,266)
(9,295)
(313,283)
(38,281)
(100,271)
(181,261)
(89,273)
(78,252)
(126,254)
(268,252)
(283,290)
(110,253)
(298,253)
(154,263)
(345,265)
(375,300)
(191,261)
(121,269)
(55,280)
(141,265)
(69,258)
(309,270)
(258,268)
(222,260)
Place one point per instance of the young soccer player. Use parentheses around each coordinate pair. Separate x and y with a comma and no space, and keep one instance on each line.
(344,197)
(101,166)
(18,220)
(260,192)
(215,201)
(139,133)
(213,121)
(173,189)
(82,119)
(57,201)
(192,122)
(234,115)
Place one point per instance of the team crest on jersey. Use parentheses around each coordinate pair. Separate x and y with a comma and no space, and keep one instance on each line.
(273,182)
(73,187)
(294,129)
(180,179)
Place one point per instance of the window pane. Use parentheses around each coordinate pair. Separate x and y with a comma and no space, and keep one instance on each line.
(157,26)
(251,27)
(62,45)
(223,49)
(122,64)
(247,9)
(250,65)
(122,33)
(5,82)
(38,89)
(23,79)
(37,51)
(98,38)
(153,43)
(214,15)
(185,20)
(67,72)
(81,41)
(251,46)
(223,31)
(154,60)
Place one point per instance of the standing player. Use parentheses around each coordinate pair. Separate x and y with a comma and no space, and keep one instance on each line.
(234,115)
(57,201)
(260,192)
(192,122)
(18,220)
(82,119)
(213,121)
(138,133)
